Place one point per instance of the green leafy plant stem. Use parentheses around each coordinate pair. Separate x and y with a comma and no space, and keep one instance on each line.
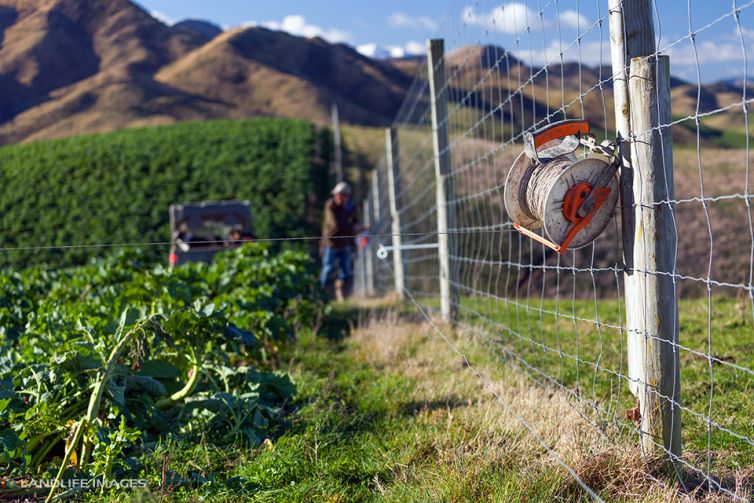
(68,414)
(188,388)
(74,442)
(96,400)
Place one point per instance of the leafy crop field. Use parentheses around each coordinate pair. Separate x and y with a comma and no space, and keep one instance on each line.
(384,411)
(101,366)
(117,187)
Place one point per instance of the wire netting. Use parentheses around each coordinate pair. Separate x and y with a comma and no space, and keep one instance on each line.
(513,67)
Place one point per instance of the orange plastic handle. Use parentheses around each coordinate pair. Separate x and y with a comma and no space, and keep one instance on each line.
(559,130)
(536,237)
(602,193)
(577,227)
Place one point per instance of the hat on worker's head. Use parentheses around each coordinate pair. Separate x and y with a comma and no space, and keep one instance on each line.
(341,188)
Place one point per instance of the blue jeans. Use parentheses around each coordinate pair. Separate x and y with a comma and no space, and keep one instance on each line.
(344,260)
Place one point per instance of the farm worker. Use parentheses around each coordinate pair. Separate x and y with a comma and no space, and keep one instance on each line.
(238,237)
(339,227)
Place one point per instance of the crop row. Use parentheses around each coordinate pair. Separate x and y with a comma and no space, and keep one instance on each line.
(100,363)
(117,187)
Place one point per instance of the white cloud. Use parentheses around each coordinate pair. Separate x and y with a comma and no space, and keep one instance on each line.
(396,51)
(746,32)
(163,18)
(707,52)
(724,49)
(574,19)
(550,55)
(297,25)
(391,51)
(408,49)
(373,51)
(402,20)
(682,59)
(415,48)
(512,17)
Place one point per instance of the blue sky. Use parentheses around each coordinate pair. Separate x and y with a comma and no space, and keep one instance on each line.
(402,27)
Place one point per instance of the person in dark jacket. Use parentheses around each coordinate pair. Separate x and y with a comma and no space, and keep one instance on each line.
(340,225)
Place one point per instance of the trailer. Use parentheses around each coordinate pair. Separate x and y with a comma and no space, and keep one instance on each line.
(200,230)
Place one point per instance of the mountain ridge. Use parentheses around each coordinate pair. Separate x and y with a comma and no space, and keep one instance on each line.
(84,66)
(72,67)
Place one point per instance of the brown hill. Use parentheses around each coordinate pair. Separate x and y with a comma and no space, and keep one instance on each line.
(260,72)
(72,66)
(409,65)
(209,30)
(80,66)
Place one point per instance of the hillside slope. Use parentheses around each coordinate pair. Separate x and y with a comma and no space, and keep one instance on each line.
(117,187)
(261,72)
(80,66)
(71,67)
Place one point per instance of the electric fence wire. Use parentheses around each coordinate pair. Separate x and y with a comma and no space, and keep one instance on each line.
(136,244)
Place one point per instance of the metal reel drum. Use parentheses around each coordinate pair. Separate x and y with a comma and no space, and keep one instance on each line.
(512,195)
(572,173)
(556,225)
(515,190)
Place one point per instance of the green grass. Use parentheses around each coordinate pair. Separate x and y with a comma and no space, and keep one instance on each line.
(413,425)
(724,137)
(563,341)
(364,429)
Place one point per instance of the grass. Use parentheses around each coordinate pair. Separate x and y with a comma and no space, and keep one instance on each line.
(387,412)
(563,341)
(721,135)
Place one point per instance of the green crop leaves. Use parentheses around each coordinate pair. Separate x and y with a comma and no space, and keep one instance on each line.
(102,362)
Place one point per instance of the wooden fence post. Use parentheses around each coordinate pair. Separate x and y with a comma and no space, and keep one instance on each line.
(393,189)
(649,235)
(376,229)
(360,273)
(656,309)
(367,252)
(337,148)
(445,195)
(631,35)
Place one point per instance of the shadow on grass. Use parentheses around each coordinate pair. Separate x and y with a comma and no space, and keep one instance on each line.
(341,321)
(345,317)
(699,485)
(445,403)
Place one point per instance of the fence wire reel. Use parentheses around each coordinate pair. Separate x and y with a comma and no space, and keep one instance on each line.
(572,199)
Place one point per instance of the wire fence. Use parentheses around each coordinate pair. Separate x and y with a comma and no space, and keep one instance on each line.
(570,320)
(513,67)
